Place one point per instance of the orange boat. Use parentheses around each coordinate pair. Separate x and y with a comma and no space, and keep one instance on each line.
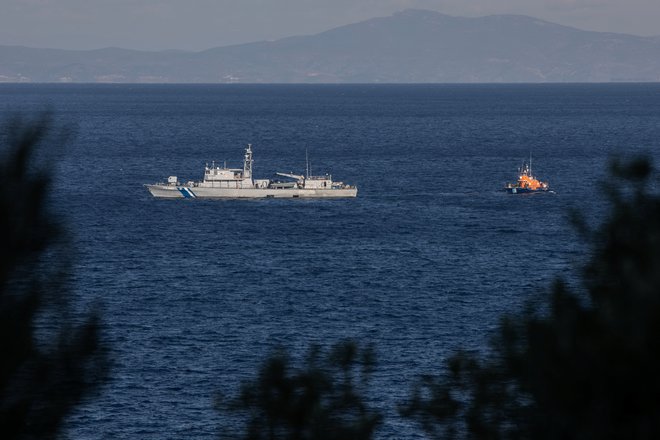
(526,183)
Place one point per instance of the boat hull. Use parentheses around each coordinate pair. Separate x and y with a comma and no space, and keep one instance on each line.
(524,190)
(187,192)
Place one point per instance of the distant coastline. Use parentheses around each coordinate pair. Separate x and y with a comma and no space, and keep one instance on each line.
(444,49)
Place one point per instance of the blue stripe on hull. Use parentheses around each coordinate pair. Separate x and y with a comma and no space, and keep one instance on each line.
(184,193)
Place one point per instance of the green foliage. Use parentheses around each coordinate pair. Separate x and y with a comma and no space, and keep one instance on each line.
(322,400)
(47,364)
(588,366)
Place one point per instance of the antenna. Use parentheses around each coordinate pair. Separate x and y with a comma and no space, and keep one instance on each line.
(306,164)
(530,162)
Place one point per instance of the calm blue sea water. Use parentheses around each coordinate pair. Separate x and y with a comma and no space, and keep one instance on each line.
(195,293)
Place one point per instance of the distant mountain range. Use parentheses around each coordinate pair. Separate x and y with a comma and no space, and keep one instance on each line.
(411,46)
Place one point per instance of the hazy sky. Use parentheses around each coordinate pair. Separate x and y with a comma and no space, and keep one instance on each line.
(202,24)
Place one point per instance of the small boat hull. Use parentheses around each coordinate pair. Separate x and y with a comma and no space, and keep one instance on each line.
(525,190)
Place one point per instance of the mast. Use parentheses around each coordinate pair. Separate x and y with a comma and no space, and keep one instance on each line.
(247,163)
(306,165)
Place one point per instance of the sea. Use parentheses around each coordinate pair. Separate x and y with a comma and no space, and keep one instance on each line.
(195,294)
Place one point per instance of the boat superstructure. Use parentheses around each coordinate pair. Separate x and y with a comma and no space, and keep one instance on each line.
(236,183)
(526,183)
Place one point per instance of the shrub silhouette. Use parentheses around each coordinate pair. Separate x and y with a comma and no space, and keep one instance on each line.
(323,400)
(48,364)
(588,366)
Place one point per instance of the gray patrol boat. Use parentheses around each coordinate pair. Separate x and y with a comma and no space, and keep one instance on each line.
(236,183)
